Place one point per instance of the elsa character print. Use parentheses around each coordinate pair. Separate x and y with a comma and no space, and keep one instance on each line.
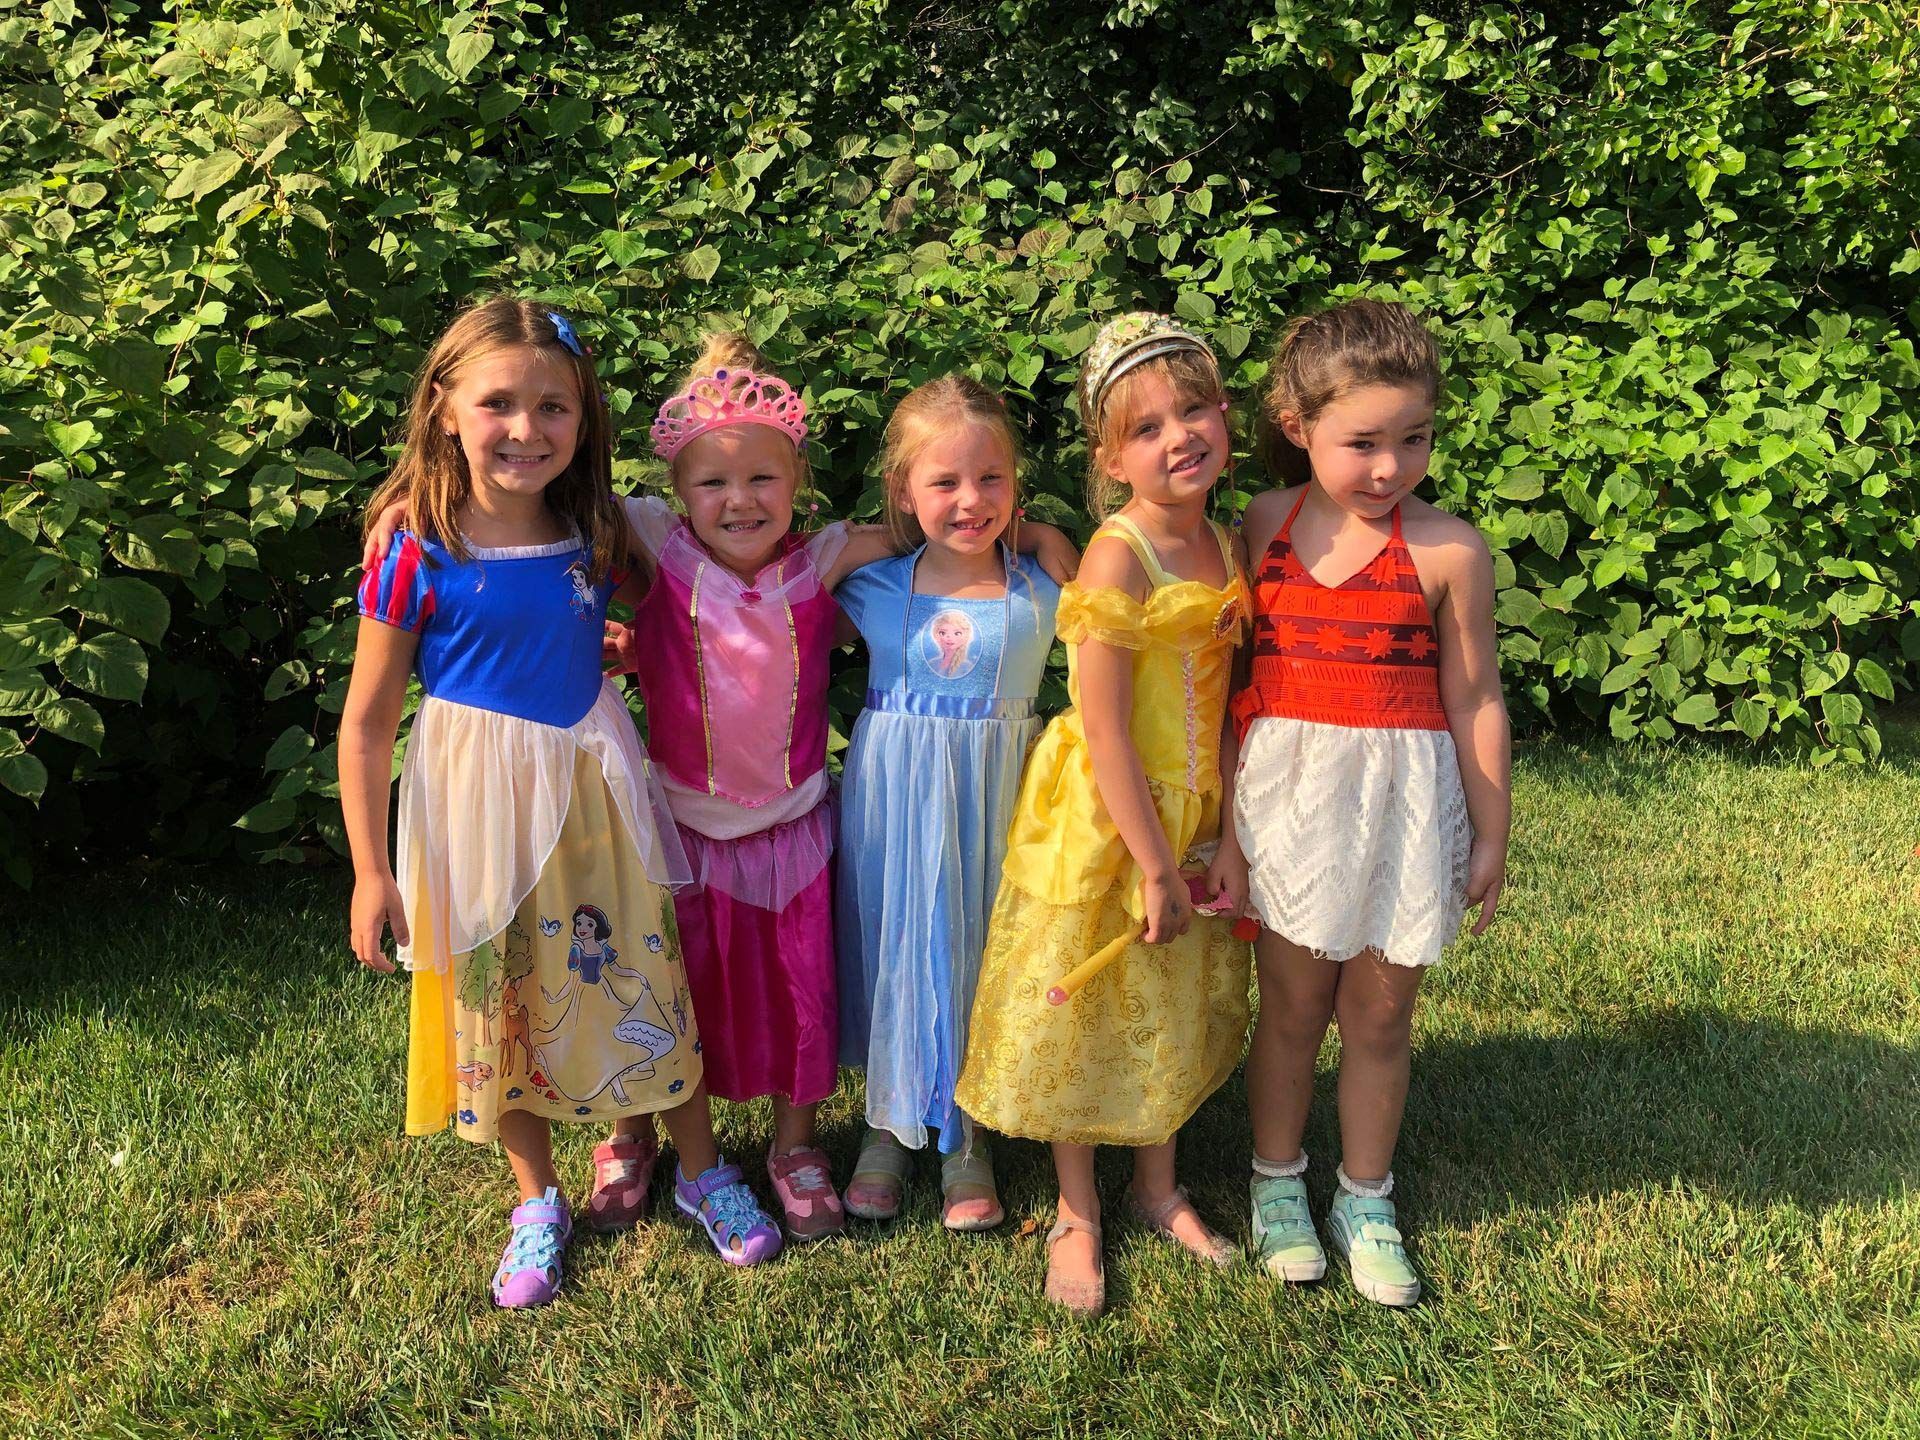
(951,636)
(589,1000)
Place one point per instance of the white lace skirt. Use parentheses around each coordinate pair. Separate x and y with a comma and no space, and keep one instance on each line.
(1356,838)
(483,797)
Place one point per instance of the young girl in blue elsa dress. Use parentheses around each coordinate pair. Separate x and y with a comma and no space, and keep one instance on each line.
(957,632)
(525,797)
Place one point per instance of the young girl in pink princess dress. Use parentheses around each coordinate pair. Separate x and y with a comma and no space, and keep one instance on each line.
(731,648)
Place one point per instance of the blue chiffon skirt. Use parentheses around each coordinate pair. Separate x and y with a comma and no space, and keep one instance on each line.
(928,795)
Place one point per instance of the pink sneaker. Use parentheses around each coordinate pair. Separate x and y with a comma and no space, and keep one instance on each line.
(805,1190)
(622,1175)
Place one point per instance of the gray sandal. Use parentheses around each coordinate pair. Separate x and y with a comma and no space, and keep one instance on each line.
(880,1173)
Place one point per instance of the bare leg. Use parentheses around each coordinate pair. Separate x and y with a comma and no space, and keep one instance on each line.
(792,1124)
(528,1140)
(640,1127)
(1296,1005)
(1375,1006)
(1077,1254)
(690,1126)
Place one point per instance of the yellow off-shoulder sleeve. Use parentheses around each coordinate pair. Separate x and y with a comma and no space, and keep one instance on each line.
(1108,615)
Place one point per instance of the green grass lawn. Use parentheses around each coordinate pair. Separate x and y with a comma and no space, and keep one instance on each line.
(1659,1169)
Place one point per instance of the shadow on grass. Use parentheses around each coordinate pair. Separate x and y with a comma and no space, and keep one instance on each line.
(1753,1111)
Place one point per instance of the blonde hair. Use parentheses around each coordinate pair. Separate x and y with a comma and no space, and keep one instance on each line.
(431,475)
(939,407)
(1191,374)
(1325,356)
(730,350)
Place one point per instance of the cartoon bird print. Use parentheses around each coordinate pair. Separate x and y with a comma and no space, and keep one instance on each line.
(549,928)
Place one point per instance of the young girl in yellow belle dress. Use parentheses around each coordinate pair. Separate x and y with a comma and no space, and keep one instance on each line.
(1118,813)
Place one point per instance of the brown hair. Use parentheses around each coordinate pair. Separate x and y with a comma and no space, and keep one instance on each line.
(1322,357)
(431,475)
(1192,375)
(939,406)
(731,350)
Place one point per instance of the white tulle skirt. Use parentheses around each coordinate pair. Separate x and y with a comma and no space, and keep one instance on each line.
(1356,838)
(483,797)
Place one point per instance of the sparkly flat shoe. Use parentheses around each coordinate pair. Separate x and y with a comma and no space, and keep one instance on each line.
(1086,1298)
(1213,1248)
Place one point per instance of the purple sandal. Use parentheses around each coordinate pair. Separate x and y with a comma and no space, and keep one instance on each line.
(529,1272)
(720,1202)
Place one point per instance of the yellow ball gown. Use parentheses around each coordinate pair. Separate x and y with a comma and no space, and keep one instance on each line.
(1129,1058)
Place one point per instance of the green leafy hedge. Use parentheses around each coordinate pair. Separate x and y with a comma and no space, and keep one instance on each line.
(1672,250)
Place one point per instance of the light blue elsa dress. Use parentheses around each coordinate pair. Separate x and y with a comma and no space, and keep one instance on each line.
(931,779)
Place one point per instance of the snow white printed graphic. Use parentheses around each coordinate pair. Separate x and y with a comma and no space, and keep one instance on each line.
(582,597)
(589,1005)
(946,645)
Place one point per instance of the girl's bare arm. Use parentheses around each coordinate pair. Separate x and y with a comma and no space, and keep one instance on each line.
(369,722)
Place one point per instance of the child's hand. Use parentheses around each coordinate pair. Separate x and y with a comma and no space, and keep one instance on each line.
(377,908)
(616,650)
(1486,875)
(380,538)
(1168,911)
(1058,555)
(1226,881)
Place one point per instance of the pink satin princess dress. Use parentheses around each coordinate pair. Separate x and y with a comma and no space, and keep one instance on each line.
(735,679)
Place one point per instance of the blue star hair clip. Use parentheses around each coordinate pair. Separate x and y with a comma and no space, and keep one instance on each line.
(564,332)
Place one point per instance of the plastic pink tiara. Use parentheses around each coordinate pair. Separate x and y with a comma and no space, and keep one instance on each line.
(728,397)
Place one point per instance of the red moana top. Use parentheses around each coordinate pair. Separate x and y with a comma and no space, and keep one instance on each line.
(1361,653)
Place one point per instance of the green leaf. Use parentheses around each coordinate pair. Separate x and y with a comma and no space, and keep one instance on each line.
(20,772)
(1698,711)
(156,542)
(287,678)
(129,605)
(1524,484)
(466,50)
(1612,565)
(24,691)
(200,177)
(623,247)
(701,264)
(1841,709)
(33,642)
(324,465)
(293,745)
(71,439)
(1194,305)
(1873,678)
(111,666)
(1823,671)
(72,719)
(1751,716)
(267,817)
(132,365)
(1232,340)
(1550,532)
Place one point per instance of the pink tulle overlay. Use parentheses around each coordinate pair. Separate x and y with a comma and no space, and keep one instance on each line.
(767,868)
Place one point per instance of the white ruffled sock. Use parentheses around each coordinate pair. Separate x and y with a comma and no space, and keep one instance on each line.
(1280,1169)
(1376,1190)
